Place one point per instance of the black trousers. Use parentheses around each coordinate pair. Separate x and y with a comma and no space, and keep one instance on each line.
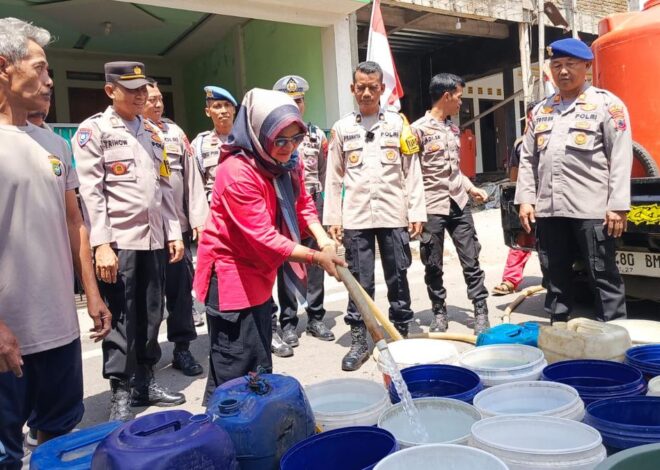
(315,290)
(561,240)
(460,225)
(178,296)
(394,244)
(239,340)
(136,303)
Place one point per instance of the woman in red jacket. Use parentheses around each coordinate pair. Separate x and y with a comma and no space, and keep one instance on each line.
(259,209)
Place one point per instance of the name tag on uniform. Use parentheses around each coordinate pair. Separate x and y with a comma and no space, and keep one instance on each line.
(172,148)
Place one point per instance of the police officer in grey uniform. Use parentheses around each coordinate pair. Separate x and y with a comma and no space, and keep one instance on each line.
(447,193)
(574,182)
(313,152)
(128,201)
(192,209)
(384,199)
(221,108)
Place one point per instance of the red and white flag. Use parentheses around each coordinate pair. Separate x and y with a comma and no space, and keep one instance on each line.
(378,50)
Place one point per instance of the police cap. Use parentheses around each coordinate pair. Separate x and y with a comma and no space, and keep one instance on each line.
(293,85)
(219,93)
(130,75)
(570,47)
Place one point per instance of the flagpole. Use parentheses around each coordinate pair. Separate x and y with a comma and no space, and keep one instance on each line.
(375,4)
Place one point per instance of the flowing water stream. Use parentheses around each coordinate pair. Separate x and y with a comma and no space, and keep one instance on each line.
(418,428)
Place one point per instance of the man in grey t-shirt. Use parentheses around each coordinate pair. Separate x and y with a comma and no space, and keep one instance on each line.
(41,233)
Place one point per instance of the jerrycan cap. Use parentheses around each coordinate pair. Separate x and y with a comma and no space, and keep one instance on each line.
(229,407)
(199,419)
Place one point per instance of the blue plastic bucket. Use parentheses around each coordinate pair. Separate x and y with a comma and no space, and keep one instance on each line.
(72,451)
(352,448)
(646,359)
(626,422)
(596,380)
(439,380)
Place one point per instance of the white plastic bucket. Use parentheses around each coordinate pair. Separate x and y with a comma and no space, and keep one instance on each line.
(654,387)
(530,398)
(441,456)
(503,363)
(539,442)
(447,421)
(416,351)
(341,403)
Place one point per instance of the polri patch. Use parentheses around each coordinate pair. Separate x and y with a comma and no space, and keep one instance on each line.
(84,136)
(55,164)
(119,168)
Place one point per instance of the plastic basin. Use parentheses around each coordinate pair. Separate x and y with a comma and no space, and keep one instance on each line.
(447,421)
(596,380)
(439,381)
(504,363)
(639,458)
(530,398)
(539,442)
(352,448)
(626,422)
(340,403)
(438,456)
(645,358)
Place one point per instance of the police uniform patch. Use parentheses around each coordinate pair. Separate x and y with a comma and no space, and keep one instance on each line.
(619,117)
(582,97)
(84,135)
(582,125)
(390,155)
(547,110)
(541,127)
(119,168)
(156,138)
(55,164)
(114,122)
(588,107)
(540,140)
(434,148)
(353,158)
(580,139)
(209,93)
(556,99)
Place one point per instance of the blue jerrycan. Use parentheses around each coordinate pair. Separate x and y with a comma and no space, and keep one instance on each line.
(72,451)
(508,333)
(169,440)
(264,415)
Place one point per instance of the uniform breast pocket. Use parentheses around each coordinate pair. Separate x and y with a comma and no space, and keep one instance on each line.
(209,159)
(310,159)
(581,137)
(390,155)
(175,161)
(353,154)
(119,165)
(541,138)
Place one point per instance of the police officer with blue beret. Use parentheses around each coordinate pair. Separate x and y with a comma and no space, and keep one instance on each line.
(574,182)
(221,109)
(313,152)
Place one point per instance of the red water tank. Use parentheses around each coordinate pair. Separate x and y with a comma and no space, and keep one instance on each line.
(627,63)
(468,155)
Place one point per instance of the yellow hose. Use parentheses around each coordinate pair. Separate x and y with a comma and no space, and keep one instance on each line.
(520,299)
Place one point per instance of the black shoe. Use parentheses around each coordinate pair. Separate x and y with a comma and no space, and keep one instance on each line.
(359,352)
(440,322)
(186,363)
(290,337)
(279,347)
(155,395)
(318,329)
(402,328)
(481,322)
(119,402)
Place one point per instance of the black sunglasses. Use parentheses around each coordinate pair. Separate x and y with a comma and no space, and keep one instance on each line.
(295,140)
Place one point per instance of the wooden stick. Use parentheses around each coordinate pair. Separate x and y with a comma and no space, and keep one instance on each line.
(381,317)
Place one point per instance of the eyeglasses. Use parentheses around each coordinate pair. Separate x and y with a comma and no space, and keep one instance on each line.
(295,140)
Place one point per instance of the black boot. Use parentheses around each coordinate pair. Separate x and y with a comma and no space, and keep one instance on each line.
(184,361)
(440,322)
(481,322)
(290,337)
(147,392)
(359,351)
(318,329)
(402,328)
(119,402)
(279,347)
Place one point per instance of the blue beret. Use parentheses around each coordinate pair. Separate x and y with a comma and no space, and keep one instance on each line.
(218,93)
(570,47)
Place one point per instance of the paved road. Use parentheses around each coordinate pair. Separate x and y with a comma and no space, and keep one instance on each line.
(315,360)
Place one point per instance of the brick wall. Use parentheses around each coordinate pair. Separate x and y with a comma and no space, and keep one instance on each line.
(602,8)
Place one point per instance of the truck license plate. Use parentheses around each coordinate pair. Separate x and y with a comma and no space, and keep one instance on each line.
(638,263)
